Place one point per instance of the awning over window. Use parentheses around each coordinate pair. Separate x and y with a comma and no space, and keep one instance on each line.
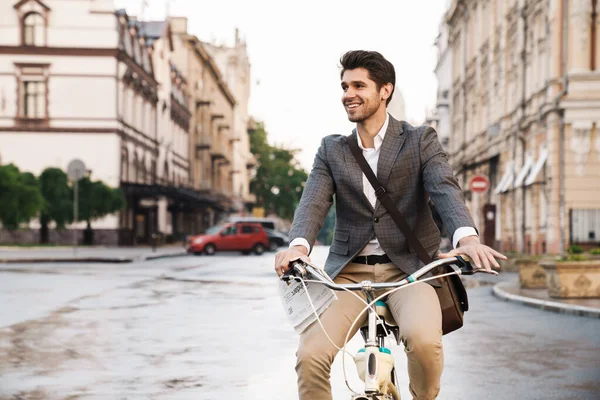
(175,193)
(524,171)
(506,180)
(537,167)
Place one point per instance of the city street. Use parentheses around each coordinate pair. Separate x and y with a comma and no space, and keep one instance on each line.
(197,327)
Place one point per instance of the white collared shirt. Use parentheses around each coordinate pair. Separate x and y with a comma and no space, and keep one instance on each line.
(372,157)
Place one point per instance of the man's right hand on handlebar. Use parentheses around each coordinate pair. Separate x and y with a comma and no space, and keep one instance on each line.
(285,257)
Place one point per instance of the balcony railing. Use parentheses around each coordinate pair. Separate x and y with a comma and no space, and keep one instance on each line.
(203,142)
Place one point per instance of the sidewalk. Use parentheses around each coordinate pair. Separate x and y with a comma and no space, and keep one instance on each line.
(509,289)
(17,255)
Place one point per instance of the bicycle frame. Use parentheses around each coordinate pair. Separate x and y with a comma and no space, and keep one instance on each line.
(300,270)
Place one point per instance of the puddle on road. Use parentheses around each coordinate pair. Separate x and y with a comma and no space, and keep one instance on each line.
(137,339)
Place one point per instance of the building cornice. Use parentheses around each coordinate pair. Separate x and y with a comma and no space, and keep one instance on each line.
(58,51)
(22,2)
(453,13)
(212,66)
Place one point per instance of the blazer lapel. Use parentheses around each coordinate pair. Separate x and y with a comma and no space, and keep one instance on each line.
(356,174)
(390,148)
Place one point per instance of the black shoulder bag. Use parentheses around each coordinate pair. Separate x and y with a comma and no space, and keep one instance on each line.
(451,293)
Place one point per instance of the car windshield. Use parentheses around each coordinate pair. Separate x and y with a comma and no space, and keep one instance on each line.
(214,229)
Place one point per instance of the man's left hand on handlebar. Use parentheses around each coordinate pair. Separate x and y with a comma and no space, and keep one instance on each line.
(481,255)
(285,257)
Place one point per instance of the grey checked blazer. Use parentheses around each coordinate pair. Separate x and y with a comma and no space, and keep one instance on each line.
(411,164)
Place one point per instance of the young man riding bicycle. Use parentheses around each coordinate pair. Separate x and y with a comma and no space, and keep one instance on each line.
(412,166)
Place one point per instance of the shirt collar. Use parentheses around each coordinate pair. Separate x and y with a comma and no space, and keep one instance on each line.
(380,135)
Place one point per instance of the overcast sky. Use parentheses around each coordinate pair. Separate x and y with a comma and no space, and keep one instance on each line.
(295,47)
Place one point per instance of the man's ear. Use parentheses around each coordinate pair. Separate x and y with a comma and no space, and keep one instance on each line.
(386,91)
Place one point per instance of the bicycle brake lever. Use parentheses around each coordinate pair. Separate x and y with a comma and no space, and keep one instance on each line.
(464,263)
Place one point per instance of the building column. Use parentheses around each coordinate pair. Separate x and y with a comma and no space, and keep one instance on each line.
(580,143)
(164,222)
(552,185)
(597,38)
(597,143)
(580,32)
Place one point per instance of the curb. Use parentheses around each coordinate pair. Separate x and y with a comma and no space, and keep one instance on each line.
(107,260)
(158,256)
(65,260)
(546,305)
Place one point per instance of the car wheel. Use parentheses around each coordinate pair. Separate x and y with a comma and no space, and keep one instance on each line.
(273,245)
(210,249)
(259,248)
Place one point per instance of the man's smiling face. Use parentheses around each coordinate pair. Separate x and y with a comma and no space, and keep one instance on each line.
(361,97)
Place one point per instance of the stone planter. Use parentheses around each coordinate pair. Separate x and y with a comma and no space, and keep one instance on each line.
(508,265)
(531,273)
(573,279)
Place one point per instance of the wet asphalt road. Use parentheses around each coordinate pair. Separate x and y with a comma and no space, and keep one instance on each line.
(214,328)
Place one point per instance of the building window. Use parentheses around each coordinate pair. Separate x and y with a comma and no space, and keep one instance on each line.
(32,84)
(34,30)
(124,165)
(153,172)
(34,99)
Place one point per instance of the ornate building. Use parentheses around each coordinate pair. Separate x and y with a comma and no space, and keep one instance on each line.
(212,122)
(79,80)
(234,63)
(525,111)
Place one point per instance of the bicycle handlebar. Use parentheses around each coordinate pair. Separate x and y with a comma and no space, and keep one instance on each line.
(461,265)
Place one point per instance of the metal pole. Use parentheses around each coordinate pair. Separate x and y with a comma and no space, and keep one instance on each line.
(75,212)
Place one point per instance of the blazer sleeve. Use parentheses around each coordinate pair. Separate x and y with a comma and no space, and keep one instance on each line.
(316,200)
(440,183)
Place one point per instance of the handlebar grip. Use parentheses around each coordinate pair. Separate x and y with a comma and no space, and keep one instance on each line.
(465,258)
(464,263)
(296,270)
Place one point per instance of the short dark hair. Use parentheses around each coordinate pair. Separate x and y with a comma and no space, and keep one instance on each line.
(381,71)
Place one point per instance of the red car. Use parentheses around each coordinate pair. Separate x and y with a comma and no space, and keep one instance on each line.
(241,236)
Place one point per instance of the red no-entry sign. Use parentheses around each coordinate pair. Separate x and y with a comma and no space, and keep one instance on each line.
(479,183)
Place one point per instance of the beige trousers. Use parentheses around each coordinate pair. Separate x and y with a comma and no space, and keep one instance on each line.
(417,312)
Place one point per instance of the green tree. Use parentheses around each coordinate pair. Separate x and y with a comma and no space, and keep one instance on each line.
(279,178)
(96,200)
(58,200)
(20,197)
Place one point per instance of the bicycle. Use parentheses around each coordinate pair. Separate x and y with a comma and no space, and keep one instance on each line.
(374,362)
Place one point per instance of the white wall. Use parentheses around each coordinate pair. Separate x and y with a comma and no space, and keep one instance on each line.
(70,23)
(10,33)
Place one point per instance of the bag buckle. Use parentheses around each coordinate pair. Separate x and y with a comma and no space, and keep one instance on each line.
(380,191)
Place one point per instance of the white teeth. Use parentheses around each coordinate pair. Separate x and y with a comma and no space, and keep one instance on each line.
(352,105)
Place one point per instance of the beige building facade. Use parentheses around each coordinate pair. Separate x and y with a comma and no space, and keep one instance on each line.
(139,102)
(212,106)
(525,111)
(235,66)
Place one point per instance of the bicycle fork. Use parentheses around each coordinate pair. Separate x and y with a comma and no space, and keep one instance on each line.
(374,362)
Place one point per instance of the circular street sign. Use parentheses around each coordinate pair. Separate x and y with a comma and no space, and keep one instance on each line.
(76,170)
(479,183)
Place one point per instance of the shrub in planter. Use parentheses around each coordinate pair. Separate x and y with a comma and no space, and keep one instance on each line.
(575,249)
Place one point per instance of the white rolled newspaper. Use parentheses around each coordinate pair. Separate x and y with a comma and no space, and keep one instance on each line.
(296,305)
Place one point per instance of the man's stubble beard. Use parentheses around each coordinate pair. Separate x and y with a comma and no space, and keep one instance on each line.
(369,112)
